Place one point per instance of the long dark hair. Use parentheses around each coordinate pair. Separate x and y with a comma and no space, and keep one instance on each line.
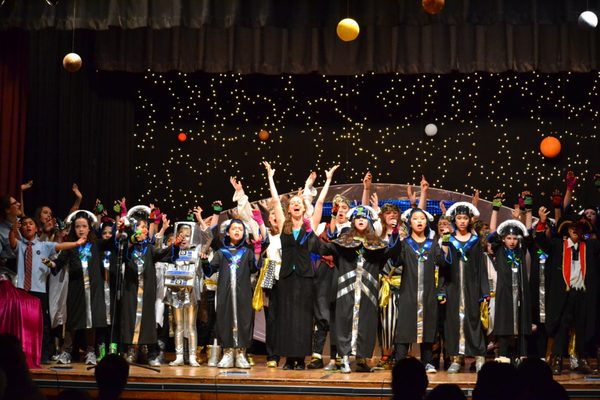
(72,236)
(4,204)
(371,239)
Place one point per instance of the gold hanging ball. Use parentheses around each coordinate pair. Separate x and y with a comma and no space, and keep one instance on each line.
(433,6)
(348,29)
(72,62)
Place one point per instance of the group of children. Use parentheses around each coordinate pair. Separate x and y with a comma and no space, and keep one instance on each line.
(365,275)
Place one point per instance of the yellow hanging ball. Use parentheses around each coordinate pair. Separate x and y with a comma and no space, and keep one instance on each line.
(348,29)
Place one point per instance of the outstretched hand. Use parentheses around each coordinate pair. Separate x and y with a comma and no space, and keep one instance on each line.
(27,185)
(270,171)
(76,191)
(368,180)
(329,173)
(237,185)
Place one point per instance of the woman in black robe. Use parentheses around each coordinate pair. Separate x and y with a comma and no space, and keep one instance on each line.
(421,287)
(466,287)
(512,312)
(235,261)
(138,314)
(359,257)
(86,307)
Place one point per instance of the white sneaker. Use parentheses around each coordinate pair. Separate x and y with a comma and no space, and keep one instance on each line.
(90,358)
(64,358)
(454,368)
(430,369)
(177,361)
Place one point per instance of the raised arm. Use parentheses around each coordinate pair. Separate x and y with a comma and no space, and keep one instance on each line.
(279,216)
(367,183)
(25,186)
(308,193)
(571,181)
(316,217)
(243,206)
(78,197)
(13,235)
(496,204)
(528,202)
(423,198)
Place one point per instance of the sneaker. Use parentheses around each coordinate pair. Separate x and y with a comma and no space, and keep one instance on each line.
(430,369)
(454,368)
(64,358)
(315,363)
(271,364)
(90,358)
(362,366)
(155,362)
(332,366)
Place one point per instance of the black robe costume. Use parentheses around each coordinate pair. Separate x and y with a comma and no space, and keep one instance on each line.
(504,313)
(356,323)
(294,296)
(77,304)
(559,287)
(230,334)
(409,324)
(475,287)
(140,259)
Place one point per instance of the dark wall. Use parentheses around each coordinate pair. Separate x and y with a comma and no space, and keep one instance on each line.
(90,127)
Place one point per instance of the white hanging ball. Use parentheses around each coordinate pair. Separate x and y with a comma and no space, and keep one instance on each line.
(588,20)
(430,130)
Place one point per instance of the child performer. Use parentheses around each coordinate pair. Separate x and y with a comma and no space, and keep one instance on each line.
(571,299)
(138,313)
(466,287)
(359,256)
(86,306)
(32,271)
(512,312)
(183,286)
(421,287)
(235,261)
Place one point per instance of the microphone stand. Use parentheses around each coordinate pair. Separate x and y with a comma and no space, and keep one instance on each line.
(121,245)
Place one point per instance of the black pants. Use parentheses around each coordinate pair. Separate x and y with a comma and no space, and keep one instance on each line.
(426,351)
(537,342)
(46,338)
(207,318)
(323,308)
(573,316)
(270,313)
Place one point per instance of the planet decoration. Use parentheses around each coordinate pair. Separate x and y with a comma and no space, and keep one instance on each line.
(431,130)
(433,6)
(347,29)
(72,62)
(263,135)
(587,20)
(550,147)
(182,137)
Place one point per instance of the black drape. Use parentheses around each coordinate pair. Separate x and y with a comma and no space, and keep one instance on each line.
(79,126)
(13,110)
(272,37)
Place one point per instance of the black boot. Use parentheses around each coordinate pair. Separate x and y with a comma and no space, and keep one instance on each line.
(557,365)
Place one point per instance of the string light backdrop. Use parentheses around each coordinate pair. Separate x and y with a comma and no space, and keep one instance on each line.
(489,130)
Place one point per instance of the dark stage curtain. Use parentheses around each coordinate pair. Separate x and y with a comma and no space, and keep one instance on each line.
(13,107)
(79,126)
(272,37)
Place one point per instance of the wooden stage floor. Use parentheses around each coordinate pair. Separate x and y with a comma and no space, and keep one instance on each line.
(261,382)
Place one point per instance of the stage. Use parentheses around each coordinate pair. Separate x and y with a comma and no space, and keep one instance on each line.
(260,382)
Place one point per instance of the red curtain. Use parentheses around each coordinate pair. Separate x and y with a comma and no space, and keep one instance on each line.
(13,108)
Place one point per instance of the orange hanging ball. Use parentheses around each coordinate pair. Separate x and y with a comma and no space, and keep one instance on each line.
(263,135)
(182,137)
(550,147)
(347,29)
(433,6)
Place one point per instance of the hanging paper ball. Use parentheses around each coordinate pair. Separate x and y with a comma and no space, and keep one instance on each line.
(433,6)
(72,62)
(263,135)
(587,20)
(430,130)
(550,146)
(347,29)
(182,137)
